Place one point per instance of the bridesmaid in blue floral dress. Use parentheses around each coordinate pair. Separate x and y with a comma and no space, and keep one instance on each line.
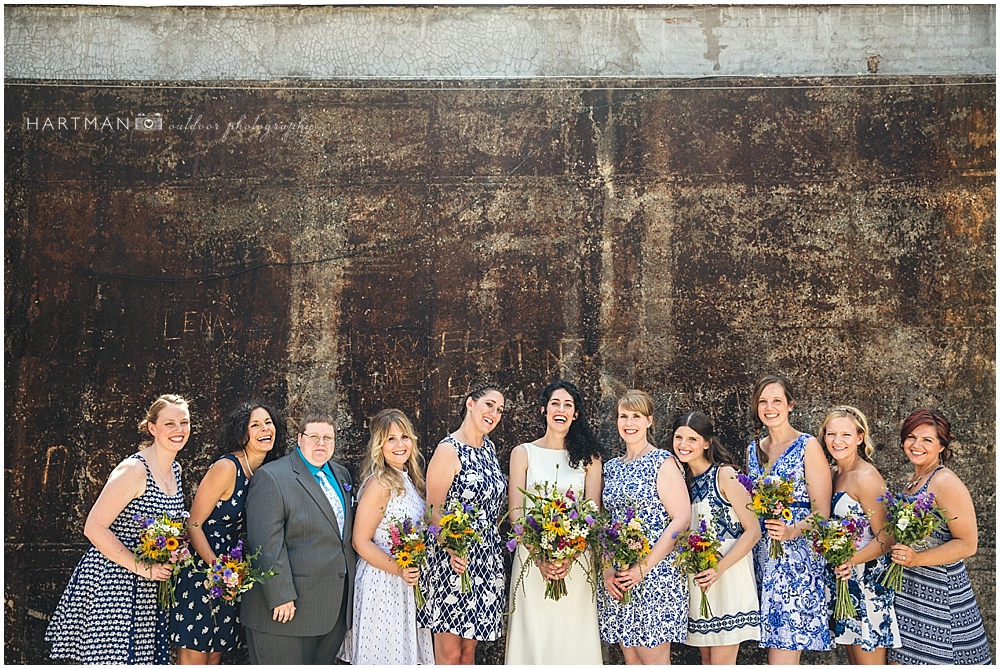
(793,588)
(650,481)
(857,486)
(203,628)
(109,613)
(465,468)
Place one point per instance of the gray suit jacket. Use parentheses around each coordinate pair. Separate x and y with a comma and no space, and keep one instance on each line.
(290,518)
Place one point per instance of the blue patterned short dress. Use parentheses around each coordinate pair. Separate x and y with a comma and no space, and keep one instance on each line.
(658,610)
(793,588)
(107,614)
(875,626)
(477,614)
(192,623)
(939,620)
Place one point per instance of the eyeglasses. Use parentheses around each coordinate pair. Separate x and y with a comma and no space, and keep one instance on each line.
(315,438)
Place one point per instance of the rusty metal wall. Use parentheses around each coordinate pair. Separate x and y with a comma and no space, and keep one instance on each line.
(366,245)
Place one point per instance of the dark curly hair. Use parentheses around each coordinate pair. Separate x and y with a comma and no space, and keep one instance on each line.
(233,433)
(581,444)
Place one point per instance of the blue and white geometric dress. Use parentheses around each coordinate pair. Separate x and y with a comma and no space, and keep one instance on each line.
(192,624)
(476,614)
(107,614)
(793,588)
(875,626)
(939,620)
(658,610)
(735,612)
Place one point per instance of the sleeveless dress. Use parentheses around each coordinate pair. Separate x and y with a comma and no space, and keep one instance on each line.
(733,598)
(195,623)
(939,620)
(544,631)
(658,610)
(477,614)
(793,588)
(875,626)
(107,614)
(385,609)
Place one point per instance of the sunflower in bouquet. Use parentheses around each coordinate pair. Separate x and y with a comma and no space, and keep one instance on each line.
(163,540)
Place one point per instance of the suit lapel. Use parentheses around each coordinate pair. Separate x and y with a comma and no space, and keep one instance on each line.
(308,481)
(348,516)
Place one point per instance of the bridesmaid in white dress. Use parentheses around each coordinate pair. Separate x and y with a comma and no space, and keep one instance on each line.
(385,610)
(717,496)
(544,631)
(857,486)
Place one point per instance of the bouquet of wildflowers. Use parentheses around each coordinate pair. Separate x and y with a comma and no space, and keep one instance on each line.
(455,531)
(837,540)
(164,540)
(771,498)
(554,527)
(408,546)
(229,576)
(621,544)
(698,550)
(910,523)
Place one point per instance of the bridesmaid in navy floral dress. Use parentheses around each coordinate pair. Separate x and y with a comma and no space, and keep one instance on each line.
(465,468)
(109,613)
(793,588)
(650,481)
(200,627)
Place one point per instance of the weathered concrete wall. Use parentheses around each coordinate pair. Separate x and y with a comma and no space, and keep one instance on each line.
(401,239)
(236,43)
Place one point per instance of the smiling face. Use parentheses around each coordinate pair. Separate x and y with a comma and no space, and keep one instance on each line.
(689,446)
(842,438)
(260,431)
(485,413)
(923,446)
(632,425)
(172,427)
(559,411)
(773,406)
(316,443)
(397,447)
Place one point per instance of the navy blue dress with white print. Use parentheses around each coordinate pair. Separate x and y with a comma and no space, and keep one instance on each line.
(477,614)
(198,622)
(793,588)
(107,614)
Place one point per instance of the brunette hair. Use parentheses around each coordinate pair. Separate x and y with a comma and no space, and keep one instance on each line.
(317,417)
(758,390)
(476,391)
(153,413)
(860,423)
(234,435)
(929,416)
(717,454)
(376,466)
(581,444)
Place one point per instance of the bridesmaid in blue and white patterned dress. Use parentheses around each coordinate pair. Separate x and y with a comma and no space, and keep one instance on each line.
(650,481)
(200,627)
(465,468)
(857,486)
(939,620)
(109,613)
(793,588)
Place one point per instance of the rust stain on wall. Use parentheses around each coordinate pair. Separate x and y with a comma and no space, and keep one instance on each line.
(365,246)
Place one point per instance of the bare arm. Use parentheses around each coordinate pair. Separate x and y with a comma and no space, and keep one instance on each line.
(370,512)
(518,480)
(819,483)
(594,483)
(127,482)
(441,471)
(956,503)
(738,496)
(218,484)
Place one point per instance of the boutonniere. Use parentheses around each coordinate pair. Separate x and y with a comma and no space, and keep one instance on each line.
(348,488)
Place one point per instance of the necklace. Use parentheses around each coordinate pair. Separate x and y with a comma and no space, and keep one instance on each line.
(247,458)
(158,471)
(645,449)
(913,483)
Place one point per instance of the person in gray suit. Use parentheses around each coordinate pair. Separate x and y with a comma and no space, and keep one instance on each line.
(300,511)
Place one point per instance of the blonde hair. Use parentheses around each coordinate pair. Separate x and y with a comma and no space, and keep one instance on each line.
(636,400)
(153,413)
(860,423)
(386,474)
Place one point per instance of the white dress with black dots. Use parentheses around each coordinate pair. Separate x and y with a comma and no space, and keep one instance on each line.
(385,609)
